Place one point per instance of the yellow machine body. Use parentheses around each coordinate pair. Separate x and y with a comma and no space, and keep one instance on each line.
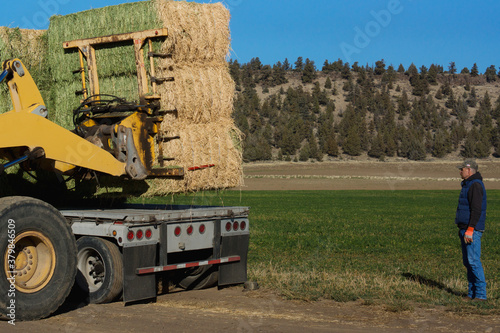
(126,149)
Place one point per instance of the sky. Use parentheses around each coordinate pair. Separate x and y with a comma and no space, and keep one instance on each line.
(422,32)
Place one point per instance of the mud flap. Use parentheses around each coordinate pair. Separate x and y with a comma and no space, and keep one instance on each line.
(138,287)
(234,273)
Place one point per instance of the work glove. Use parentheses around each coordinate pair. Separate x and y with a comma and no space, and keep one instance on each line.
(468,235)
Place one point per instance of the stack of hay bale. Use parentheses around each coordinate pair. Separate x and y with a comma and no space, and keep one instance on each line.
(202,91)
(31,47)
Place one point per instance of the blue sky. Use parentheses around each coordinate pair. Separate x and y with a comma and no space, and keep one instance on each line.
(398,31)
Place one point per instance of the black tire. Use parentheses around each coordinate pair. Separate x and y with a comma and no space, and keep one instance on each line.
(44,254)
(100,269)
(200,278)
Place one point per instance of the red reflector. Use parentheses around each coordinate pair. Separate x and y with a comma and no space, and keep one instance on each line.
(236,226)
(177,231)
(228,226)
(202,229)
(149,233)
(243,225)
(139,234)
(130,235)
(190,230)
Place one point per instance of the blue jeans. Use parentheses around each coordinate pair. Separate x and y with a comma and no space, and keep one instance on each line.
(471,254)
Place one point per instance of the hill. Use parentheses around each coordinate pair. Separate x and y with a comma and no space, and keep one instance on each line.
(343,111)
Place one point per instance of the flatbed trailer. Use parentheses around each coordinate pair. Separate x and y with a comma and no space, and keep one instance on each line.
(131,252)
(202,245)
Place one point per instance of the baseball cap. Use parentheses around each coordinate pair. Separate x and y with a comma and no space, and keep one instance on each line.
(469,163)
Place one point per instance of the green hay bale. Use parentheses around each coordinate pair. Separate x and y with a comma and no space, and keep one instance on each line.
(31,47)
(105,21)
(64,100)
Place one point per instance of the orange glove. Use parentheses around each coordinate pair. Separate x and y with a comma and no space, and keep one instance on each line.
(468,235)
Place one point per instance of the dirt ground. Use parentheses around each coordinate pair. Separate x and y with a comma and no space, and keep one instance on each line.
(363,175)
(237,310)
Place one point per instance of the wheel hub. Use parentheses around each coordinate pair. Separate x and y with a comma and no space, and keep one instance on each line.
(35,260)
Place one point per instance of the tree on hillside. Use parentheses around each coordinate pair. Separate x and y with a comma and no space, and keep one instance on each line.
(496,111)
(472,100)
(412,70)
(255,64)
(452,68)
(379,67)
(235,71)
(403,105)
(299,64)
(441,144)
(401,69)
(474,70)
(328,83)
(327,67)
(279,74)
(309,72)
(286,65)
(352,142)
(491,74)
(377,149)
(432,75)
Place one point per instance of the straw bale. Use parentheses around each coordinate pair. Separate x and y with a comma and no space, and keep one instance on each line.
(201,93)
(196,32)
(202,144)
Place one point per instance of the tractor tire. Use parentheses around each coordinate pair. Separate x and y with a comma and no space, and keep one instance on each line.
(100,269)
(37,257)
(202,277)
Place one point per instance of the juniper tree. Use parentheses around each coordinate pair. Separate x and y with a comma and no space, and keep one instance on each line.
(474,70)
(299,64)
(491,74)
(309,72)
(328,83)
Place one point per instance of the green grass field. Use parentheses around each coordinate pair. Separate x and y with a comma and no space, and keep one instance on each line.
(398,249)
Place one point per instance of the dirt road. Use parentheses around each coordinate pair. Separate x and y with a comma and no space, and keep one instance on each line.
(235,310)
(363,175)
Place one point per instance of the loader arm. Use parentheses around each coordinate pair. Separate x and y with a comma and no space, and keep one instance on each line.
(21,129)
(26,126)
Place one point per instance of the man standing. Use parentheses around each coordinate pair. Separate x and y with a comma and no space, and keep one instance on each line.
(470,219)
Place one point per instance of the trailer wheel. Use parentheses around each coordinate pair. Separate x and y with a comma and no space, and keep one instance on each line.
(100,269)
(200,278)
(38,258)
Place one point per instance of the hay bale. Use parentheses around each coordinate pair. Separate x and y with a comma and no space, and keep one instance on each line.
(202,92)
(128,17)
(196,32)
(202,144)
(31,47)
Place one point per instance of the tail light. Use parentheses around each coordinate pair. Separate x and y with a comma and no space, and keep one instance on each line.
(130,235)
(236,225)
(177,231)
(139,234)
(149,233)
